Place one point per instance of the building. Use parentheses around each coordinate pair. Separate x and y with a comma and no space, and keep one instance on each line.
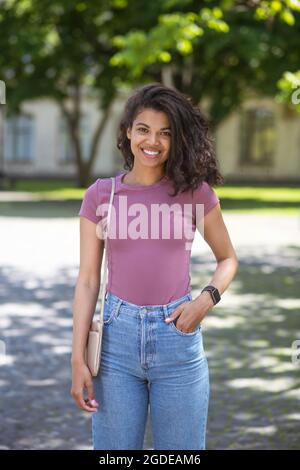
(260,143)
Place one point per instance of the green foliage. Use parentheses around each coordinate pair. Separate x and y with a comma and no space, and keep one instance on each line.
(289,86)
(220,50)
(217,50)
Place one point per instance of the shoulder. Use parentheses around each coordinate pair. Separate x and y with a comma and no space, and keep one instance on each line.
(92,189)
(95,194)
(203,189)
(98,188)
(206,195)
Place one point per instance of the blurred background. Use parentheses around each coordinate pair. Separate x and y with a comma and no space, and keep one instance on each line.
(66,70)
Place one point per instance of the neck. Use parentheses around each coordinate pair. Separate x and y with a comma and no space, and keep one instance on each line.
(143,177)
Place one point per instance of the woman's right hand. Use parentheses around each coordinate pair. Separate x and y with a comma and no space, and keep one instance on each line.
(81,379)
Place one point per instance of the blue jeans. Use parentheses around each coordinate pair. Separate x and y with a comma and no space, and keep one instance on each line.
(147,362)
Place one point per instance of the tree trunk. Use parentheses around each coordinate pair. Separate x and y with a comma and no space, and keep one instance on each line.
(84,168)
(97,135)
(167,75)
(84,177)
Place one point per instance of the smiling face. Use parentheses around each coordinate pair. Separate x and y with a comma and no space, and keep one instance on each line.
(150,138)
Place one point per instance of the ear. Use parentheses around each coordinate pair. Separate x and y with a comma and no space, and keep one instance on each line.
(128,133)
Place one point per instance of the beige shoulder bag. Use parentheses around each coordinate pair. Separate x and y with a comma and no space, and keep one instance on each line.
(94,340)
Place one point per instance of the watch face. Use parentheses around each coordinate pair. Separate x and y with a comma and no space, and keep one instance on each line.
(214,293)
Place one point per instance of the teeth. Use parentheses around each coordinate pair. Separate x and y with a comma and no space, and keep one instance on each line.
(149,152)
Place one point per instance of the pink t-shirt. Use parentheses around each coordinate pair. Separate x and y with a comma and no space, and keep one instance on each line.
(148,254)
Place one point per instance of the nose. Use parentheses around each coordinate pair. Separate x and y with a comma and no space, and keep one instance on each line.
(152,139)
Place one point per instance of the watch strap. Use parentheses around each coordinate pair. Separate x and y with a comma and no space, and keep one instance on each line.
(214,293)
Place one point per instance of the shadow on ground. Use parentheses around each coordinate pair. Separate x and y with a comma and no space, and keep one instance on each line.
(254,400)
(255,396)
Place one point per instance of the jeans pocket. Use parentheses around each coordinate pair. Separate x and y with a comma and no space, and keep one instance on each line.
(108,312)
(183,333)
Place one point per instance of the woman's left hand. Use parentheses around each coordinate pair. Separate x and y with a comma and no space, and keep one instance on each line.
(191,314)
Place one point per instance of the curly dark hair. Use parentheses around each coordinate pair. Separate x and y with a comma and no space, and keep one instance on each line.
(192,158)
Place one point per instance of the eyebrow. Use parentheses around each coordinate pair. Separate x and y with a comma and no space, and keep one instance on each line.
(163,128)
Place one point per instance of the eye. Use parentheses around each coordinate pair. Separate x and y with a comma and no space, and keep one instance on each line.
(144,129)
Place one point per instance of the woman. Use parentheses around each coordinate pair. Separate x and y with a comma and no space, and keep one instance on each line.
(152,346)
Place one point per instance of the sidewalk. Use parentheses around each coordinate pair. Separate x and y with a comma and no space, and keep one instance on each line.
(255,391)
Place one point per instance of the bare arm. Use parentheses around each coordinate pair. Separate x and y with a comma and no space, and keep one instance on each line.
(217,237)
(87,286)
(191,313)
(85,299)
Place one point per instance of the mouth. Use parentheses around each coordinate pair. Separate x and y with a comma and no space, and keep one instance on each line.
(151,153)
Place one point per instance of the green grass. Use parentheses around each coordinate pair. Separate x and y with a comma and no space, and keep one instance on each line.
(236,199)
(262,193)
(50,189)
(260,199)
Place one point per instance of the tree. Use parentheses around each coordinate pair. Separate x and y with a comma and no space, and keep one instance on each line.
(219,50)
(61,50)
(221,53)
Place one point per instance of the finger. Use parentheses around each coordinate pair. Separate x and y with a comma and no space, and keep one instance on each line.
(86,405)
(92,404)
(174,314)
(90,390)
(81,403)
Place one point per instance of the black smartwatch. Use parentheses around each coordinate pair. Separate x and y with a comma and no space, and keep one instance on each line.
(214,293)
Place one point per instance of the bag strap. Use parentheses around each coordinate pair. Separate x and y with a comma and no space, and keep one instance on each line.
(103,282)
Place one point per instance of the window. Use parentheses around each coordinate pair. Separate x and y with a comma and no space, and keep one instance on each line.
(66,149)
(18,138)
(257,136)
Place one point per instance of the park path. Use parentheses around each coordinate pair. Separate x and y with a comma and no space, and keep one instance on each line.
(255,391)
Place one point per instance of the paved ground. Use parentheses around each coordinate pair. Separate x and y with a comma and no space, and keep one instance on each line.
(255,392)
